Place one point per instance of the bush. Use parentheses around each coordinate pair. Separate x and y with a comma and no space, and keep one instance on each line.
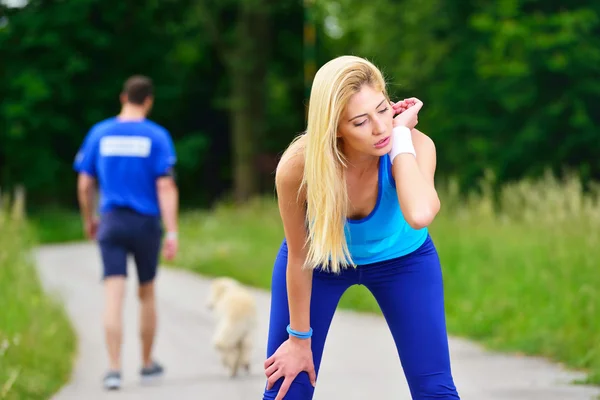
(37,342)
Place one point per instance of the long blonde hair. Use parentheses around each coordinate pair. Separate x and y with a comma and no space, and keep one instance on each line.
(324,164)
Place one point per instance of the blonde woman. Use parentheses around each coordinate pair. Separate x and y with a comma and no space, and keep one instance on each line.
(356,194)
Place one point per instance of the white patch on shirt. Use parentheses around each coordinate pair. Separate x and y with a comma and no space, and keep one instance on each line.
(125,146)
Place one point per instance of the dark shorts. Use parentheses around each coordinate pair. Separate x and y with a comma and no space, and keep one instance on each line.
(123,232)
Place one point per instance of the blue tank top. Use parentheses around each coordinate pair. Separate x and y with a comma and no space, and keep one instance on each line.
(384,234)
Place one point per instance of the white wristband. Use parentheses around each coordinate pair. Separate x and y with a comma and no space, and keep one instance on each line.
(401,142)
(171,235)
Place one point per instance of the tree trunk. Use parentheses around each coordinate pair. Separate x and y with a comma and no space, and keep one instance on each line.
(259,88)
(248,65)
(245,179)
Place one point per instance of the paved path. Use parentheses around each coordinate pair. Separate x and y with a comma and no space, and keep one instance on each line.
(354,367)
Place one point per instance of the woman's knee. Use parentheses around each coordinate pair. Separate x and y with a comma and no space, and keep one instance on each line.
(300,389)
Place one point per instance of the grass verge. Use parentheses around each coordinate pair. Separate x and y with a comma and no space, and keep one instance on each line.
(55,225)
(37,342)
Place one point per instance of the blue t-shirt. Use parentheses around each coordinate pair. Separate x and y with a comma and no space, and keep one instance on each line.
(127,157)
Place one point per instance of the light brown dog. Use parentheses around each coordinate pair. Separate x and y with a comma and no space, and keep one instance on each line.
(234,307)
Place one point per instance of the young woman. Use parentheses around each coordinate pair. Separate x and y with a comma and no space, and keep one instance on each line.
(356,194)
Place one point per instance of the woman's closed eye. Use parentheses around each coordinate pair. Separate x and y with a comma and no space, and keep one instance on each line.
(363,122)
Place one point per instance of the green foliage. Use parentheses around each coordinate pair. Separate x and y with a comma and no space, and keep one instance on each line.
(85,50)
(88,49)
(522,277)
(37,342)
(56,226)
(508,86)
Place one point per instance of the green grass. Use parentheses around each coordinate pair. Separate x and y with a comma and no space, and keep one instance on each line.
(56,226)
(37,342)
(520,274)
(525,277)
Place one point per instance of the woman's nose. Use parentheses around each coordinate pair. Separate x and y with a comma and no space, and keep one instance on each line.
(379,126)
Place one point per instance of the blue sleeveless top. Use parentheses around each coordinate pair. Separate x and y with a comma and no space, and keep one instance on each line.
(384,234)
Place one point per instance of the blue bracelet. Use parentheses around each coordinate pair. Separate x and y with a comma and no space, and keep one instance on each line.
(299,335)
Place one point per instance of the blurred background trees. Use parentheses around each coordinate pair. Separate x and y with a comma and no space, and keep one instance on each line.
(508,86)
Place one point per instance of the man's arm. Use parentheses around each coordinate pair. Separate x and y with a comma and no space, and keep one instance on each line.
(86,196)
(85,165)
(167,192)
(168,198)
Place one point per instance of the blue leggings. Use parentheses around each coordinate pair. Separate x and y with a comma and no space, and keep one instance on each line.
(410,292)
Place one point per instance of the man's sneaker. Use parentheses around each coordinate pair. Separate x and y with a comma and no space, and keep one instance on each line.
(153,371)
(112,380)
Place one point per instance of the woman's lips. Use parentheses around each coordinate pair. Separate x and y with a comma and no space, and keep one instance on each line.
(382,143)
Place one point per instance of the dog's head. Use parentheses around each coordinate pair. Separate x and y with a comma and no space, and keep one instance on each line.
(218,287)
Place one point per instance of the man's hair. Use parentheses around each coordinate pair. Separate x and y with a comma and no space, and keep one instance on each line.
(138,88)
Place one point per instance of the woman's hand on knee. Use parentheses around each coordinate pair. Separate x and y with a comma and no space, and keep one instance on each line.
(291,358)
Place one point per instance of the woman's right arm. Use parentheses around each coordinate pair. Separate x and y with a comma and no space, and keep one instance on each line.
(292,210)
(295,354)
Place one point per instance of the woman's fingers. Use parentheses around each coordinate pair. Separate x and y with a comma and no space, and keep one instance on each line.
(274,378)
(269,361)
(272,368)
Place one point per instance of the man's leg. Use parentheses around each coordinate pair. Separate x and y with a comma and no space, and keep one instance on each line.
(146,250)
(327,289)
(410,293)
(114,259)
(114,290)
(147,321)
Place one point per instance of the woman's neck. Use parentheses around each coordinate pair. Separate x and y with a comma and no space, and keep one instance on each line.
(359,162)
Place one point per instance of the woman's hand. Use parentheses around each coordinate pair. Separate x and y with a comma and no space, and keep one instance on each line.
(291,358)
(407,111)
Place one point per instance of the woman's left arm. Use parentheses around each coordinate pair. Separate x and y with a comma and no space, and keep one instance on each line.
(414,177)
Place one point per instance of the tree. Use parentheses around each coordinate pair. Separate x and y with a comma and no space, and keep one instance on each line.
(66,63)
(508,86)
(241,32)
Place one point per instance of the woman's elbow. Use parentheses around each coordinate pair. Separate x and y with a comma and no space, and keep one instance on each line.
(422,217)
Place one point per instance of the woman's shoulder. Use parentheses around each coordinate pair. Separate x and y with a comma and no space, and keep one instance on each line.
(290,169)
(422,140)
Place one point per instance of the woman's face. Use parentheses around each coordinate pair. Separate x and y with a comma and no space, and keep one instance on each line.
(366,124)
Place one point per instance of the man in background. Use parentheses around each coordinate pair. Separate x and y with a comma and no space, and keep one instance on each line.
(130,159)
